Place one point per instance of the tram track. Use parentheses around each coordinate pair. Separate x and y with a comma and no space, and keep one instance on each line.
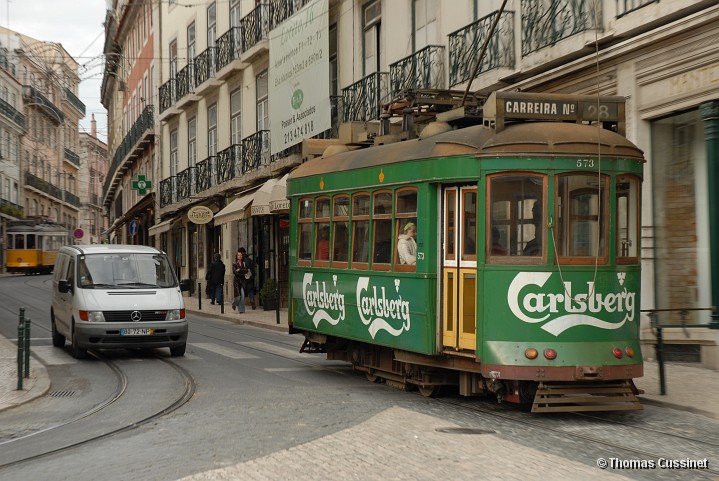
(513,416)
(187,392)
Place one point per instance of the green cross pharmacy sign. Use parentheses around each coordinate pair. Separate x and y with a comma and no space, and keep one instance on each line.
(141,184)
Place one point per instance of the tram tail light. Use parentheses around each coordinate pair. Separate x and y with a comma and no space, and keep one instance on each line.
(617,353)
(629,351)
(550,353)
(531,353)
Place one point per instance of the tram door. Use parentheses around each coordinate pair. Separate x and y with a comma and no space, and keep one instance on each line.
(459,268)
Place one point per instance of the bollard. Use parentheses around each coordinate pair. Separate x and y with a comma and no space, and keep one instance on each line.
(20,346)
(199,296)
(27,347)
(277,302)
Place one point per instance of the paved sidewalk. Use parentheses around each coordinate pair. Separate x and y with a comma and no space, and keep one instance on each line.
(689,388)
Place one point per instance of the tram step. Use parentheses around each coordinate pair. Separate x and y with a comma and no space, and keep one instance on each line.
(560,397)
(312,347)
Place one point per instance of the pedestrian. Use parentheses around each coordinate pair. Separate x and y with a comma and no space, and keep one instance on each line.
(215,278)
(239,270)
(246,276)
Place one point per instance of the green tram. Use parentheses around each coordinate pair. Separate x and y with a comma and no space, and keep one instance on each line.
(525,280)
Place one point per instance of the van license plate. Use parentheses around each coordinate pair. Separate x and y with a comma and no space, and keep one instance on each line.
(137,331)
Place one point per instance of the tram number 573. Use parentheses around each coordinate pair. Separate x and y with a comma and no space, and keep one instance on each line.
(585,163)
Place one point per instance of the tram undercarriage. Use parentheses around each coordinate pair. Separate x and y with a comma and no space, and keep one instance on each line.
(429,374)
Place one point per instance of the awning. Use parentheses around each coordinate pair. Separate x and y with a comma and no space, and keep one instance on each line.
(112,227)
(278,197)
(261,205)
(235,210)
(158,229)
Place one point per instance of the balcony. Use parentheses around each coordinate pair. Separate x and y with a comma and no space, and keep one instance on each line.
(11,209)
(72,157)
(167,94)
(9,112)
(167,190)
(256,151)
(546,22)
(185,81)
(203,174)
(74,101)
(42,185)
(71,199)
(183,184)
(229,49)
(465,45)
(35,98)
(142,131)
(422,70)
(627,6)
(229,163)
(281,10)
(205,68)
(362,101)
(255,26)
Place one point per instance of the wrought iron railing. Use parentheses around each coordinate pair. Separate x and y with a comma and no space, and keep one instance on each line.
(466,43)
(71,198)
(281,10)
(255,25)
(76,102)
(72,156)
(627,6)
(203,175)
(185,80)
(167,191)
(228,163)
(335,117)
(205,65)
(11,113)
(255,151)
(144,123)
(42,185)
(363,99)
(183,184)
(34,96)
(546,22)
(167,95)
(229,47)
(422,70)
(11,208)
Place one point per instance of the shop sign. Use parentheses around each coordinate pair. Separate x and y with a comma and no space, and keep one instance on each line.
(200,214)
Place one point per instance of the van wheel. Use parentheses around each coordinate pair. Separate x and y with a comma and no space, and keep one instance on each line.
(77,351)
(178,351)
(58,340)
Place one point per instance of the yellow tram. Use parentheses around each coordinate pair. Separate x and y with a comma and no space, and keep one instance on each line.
(32,245)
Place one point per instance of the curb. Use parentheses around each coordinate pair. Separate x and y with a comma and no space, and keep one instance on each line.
(678,407)
(40,386)
(238,320)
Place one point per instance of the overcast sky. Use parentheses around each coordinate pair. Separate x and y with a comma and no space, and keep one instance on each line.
(77,25)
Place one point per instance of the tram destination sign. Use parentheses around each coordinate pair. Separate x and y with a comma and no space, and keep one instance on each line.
(503,106)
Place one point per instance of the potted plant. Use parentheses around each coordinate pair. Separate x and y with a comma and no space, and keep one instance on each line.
(268,294)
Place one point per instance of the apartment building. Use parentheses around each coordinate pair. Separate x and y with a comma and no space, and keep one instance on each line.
(224,136)
(93,171)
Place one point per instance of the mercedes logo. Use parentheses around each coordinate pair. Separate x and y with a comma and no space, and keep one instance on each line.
(136,316)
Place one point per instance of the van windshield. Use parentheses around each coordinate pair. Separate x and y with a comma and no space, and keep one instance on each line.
(103,271)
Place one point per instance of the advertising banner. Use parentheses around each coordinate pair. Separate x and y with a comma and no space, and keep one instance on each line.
(299,90)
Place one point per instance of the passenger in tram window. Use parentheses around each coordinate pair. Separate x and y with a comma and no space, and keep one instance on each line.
(407,245)
(323,244)
(534,246)
(497,248)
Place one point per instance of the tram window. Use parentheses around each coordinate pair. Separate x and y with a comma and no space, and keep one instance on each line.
(382,227)
(19,241)
(322,230)
(627,235)
(304,247)
(360,231)
(515,217)
(405,224)
(340,225)
(582,216)
(469,224)
(450,216)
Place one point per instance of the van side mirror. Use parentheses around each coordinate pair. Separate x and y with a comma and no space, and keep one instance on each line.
(64,286)
(185,284)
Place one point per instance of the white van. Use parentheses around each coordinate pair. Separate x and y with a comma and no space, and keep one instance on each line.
(117,296)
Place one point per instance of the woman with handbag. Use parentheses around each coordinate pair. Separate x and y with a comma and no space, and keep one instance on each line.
(242,270)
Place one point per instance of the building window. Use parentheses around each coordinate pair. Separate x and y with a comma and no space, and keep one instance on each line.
(263,121)
(212,130)
(235,117)
(372,15)
(192,142)
(174,158)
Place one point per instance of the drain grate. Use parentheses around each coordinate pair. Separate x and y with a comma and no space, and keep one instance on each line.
(62,393)
(464,431)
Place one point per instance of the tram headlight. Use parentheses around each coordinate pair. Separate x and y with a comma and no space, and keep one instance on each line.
(92,316)
(617,353)
(550,353)
(629,351)
(531,353)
